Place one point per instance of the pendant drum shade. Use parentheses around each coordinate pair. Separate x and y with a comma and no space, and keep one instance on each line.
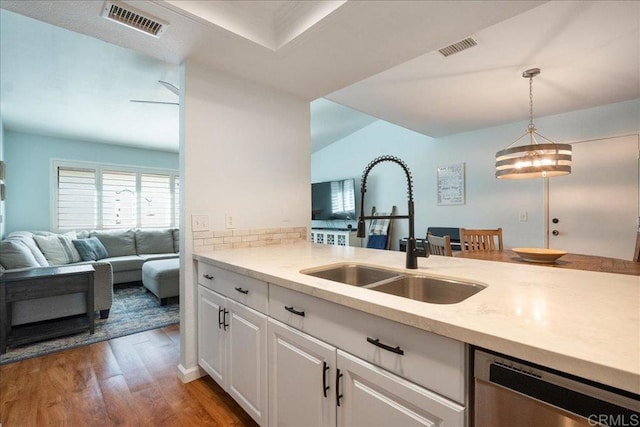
(533,160)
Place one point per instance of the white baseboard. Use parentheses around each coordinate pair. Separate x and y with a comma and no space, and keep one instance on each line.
(187,375)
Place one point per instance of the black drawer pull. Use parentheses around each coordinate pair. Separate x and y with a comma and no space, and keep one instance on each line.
(294,311)
(224,319)
(207,276)
(377,343)
(338,395)
(220,321)
(325,371)
(242,291)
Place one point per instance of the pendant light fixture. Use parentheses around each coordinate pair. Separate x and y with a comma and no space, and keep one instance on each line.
(533,160)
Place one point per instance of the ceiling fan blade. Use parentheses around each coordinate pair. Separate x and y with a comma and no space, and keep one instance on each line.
(170,87)
(154,102)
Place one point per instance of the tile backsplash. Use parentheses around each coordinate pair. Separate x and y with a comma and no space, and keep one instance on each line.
(236,239)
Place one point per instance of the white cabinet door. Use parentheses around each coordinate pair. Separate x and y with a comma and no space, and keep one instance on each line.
(232,349)
(247,359)
(211,334)
(371,396)
(594,210)
(301,379)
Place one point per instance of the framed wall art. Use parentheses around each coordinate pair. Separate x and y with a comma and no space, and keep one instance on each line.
(450,181)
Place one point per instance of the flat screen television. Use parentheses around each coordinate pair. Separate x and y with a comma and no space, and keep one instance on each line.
(333,200)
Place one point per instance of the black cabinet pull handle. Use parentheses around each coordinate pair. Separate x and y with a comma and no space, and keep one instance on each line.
(220,321)
(377,343)
(325,370)
(207,276)
(242,291)
(224,319)
(338,395)
(294,311)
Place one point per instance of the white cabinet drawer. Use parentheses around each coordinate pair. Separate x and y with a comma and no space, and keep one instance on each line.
(431,360)
(245,290)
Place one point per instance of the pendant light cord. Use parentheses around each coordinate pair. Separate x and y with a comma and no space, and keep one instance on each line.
(531,125)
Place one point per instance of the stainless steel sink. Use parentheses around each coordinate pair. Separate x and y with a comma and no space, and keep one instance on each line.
(351,274)
(429,289)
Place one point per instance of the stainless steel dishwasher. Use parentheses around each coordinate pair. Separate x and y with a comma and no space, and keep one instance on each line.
(511,393)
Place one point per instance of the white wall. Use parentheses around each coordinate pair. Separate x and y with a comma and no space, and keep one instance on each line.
(2,208)
(245,151)
(490,202)
(29,205)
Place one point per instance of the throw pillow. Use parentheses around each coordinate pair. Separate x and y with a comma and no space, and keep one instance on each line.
(58,249)
(117,242)
(26,237)
(154,241)
(15,254)
(90,249)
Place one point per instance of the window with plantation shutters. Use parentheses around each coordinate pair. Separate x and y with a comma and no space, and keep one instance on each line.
(119,199)
(97,196)
(77,205)
(156,200)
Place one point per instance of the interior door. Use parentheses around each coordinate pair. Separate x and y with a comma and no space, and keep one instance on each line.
(594,210)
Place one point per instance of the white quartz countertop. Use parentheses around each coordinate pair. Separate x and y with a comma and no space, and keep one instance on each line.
(583,323)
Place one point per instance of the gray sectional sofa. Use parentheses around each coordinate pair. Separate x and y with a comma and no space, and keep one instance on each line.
(127,251)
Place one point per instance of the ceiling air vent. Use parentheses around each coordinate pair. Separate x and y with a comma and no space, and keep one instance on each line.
(458,47)
(132,18)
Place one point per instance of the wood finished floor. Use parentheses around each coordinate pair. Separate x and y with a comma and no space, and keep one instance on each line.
(128,381)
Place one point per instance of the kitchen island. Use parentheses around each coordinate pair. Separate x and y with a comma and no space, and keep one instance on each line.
(579,322)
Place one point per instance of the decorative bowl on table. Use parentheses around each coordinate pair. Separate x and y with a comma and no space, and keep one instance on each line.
(539,254)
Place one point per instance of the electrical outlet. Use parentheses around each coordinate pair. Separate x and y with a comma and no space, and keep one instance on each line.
(228,221)
(200,222)
(523,216)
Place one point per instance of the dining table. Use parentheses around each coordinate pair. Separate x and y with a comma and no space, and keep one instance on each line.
(570,260)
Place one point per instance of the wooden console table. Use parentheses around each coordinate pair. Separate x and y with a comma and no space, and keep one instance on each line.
(41,283)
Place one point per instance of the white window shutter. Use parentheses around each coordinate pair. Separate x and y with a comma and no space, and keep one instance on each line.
(155,201)
(77,205)
(119,199)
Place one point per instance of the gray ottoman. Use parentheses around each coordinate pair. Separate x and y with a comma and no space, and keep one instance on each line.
(162,278)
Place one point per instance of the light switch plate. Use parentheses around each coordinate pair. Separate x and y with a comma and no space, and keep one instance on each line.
(200,222)
(523,216)
(228,221)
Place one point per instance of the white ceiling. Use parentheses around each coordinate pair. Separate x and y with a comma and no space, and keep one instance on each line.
(588,53)
(377,57)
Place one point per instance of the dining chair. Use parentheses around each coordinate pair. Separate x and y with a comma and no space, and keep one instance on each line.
(636,253)
(475,240)
(439,245)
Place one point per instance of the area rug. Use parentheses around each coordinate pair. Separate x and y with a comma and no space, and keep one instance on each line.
(133,310)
